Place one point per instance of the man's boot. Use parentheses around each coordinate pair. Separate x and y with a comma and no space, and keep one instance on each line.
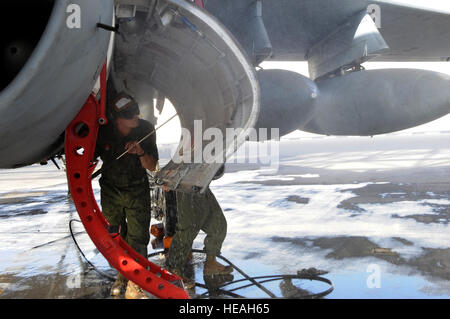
(135,292)
(119,285)
(213,267)
(188,283)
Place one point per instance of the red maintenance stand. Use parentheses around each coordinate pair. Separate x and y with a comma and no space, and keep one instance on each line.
(81,137)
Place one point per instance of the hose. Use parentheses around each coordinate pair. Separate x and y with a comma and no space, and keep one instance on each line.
(84,256)
(230,292)
(254,282)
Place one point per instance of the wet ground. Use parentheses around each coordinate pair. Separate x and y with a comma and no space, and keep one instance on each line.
(373,213)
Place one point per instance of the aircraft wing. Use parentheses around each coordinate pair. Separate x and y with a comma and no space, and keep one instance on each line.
(335,37)
(417,30)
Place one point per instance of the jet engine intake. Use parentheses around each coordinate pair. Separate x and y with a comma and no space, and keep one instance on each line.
(48,68)
(22,23)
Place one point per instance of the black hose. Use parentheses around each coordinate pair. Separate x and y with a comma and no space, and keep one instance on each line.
(254,282)
(220,289)
(269,278)
(82,254)
(56,240)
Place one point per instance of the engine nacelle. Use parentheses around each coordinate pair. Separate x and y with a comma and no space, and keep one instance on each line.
(47,72)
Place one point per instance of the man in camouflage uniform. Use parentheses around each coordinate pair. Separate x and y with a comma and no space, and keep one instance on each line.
(198,212)
(125,193)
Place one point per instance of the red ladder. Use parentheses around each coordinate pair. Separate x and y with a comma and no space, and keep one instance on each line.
(81,137)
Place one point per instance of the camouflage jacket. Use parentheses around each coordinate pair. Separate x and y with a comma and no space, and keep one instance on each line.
(126,171)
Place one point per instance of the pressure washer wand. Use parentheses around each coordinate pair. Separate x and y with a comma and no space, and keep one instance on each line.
(147,136)
(139,142)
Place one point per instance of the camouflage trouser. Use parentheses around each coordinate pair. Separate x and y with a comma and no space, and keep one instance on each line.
(196,212)
(130,209)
